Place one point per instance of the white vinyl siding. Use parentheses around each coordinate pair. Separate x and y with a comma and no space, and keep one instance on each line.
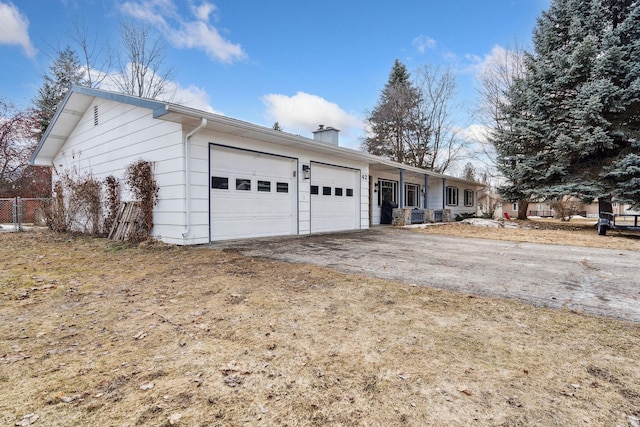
(125,134)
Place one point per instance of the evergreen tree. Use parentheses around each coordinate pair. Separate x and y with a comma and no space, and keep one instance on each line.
(572,122)
(276,126)
(390,119)
(469,172)
(64,72)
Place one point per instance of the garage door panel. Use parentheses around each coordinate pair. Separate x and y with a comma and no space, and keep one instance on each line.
(331,208)
(243,211)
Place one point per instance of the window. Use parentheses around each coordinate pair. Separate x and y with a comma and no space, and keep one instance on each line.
(349,192)
(452,196)
(243,184)
(514,207)
(411,195)
(338,191)
(388,191)
(264,186)
(219,183)
(314,189)
(326,191)
(282,187)
(468,197)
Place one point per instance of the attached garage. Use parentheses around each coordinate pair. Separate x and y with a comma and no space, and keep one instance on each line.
(221,178)
(335,198)
(252,194)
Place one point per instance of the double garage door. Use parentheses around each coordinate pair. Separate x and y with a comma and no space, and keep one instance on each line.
(255,194)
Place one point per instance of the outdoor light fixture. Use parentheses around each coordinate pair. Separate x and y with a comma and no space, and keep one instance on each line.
(376,185)
(306,171)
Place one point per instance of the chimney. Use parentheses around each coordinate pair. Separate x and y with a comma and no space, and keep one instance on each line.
(327,135)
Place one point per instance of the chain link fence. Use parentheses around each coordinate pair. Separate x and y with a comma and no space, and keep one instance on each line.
(18,211)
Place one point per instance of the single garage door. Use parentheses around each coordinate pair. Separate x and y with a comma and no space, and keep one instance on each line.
(335,198)
(253,194)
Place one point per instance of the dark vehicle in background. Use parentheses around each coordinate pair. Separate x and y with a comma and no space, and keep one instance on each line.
(607,220)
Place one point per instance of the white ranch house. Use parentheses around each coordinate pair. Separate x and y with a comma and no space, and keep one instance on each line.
(220,178)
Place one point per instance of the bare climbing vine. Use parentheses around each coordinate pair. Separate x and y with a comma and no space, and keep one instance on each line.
(139,177)
(112,204)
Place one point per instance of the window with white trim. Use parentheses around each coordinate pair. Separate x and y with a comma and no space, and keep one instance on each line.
(452,196)
(411,195)
(469,197)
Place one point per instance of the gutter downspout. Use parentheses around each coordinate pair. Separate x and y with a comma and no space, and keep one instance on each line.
(187,175)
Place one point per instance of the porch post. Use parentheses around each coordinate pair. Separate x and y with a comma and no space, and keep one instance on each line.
(444,193)
(426,192)
(401,190)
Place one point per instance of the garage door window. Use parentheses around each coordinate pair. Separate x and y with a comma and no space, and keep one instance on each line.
(264,186)
(338,191)
(314,189)
(243,184)
(282,187)
(219,183)
(349,192)
(326,191)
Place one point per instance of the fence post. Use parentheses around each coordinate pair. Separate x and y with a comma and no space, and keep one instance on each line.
(19,213)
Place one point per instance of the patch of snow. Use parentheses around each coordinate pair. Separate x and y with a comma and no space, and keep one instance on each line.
(492,223)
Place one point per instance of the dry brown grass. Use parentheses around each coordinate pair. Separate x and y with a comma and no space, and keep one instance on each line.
(95,333)
(577,232)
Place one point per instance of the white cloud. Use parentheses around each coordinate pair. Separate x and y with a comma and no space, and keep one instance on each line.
(422,43)
(196,33)
(302,113)
(15,28)
(190,96)
(201,35)
(474,133)
(498,58)
(203,11)
(194,97)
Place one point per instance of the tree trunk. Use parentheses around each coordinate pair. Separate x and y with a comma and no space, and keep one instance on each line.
(523,206)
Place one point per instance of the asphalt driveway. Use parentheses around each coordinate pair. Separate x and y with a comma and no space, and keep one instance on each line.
(603,282)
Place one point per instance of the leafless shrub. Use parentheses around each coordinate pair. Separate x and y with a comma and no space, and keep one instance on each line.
(76,205)
(140,179)
(54,210)
(85,204)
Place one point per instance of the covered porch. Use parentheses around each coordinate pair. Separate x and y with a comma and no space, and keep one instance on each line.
(402,195)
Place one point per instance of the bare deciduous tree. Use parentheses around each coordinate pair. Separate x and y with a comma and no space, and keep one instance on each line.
(412,122)
(496,77)
(96,58)
(142,70)
(437,87)
(18,129)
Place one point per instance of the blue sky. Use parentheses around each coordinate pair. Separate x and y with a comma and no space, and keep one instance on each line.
(301,63)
